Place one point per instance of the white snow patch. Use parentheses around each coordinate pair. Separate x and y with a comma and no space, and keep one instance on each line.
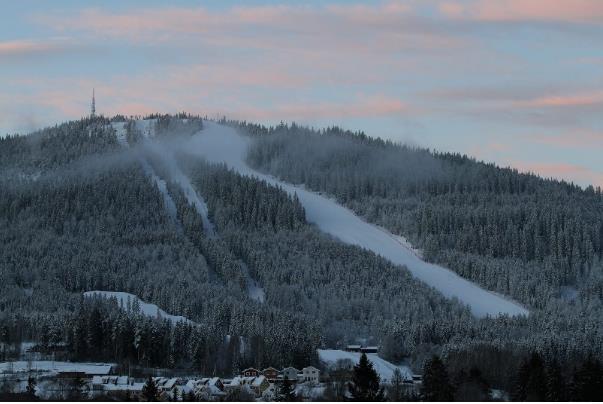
(254,290)
(147,309)
(120,132)
(221,144)
(192,196)
(169,203)
(55,367)
(146,127)
(384,368)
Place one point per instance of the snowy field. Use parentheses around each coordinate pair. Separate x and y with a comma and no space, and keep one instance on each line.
(148,309)
(55,367)
(384,368)
(219,144)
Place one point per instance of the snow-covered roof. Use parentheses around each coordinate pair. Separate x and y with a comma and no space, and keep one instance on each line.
(258,381)
(122,380)
(170,383)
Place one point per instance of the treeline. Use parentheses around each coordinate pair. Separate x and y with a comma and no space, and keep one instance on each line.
(55,146)
(537,378)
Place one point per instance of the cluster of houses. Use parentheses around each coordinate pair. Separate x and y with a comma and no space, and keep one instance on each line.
(256,383)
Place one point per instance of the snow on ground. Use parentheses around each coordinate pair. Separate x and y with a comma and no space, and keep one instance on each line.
(120,132)
(148,309)
(192,196)
(169,203)
(254,290)
(384,368)
(146,127)
(55,367)
(166,153)
(221,144)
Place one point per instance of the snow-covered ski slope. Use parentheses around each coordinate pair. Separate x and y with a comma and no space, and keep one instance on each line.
(218,143)
(147,309)
(385,369)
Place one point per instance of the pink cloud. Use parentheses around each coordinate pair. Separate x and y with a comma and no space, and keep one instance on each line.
(362,106)
(381,26)
(572,100)
(525,10)
(26,47)
(569,172)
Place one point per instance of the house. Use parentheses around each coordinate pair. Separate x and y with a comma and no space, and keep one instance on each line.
(290,373)
(206,388)
(310,375)
(353,348)
(259,385)
(251,372)
(256,385)
(271,374)
(115,385)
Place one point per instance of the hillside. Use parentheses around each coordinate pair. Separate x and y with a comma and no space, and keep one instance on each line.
(292,246)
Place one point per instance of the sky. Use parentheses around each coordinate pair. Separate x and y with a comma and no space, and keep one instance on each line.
(515,82)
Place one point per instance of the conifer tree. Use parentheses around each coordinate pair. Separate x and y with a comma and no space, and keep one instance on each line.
(365,382)
(436,384)
(31,387)
(150,391)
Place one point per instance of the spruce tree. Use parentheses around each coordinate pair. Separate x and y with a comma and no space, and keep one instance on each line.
(31,387)
(436,385)
(365,382)
(150,391)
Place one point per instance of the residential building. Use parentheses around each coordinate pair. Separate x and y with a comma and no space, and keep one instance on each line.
(290,373)
(310,375)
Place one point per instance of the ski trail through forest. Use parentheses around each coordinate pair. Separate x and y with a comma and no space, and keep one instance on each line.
(221,144)
(254,290)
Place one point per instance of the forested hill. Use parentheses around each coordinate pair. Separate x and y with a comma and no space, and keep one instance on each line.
(518,234)
(102,204)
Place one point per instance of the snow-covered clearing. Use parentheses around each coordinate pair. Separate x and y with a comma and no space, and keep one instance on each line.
(221,144)
(384,368)
(120,132)
(55,367)
(126,301)
(254,290)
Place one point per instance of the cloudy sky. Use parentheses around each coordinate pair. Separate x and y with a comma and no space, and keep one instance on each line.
(517,82)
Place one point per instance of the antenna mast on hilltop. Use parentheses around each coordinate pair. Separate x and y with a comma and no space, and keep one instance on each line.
(93,106)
